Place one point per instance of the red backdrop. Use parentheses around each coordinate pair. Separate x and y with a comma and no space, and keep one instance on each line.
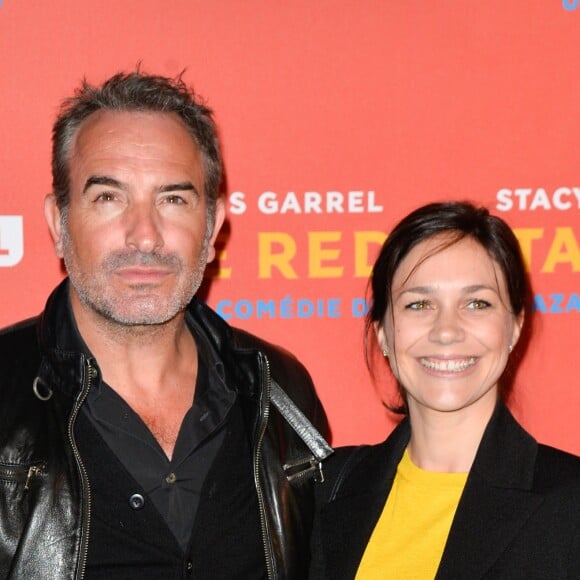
(336,117)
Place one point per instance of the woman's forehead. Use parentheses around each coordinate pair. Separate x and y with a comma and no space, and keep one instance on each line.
(446,258)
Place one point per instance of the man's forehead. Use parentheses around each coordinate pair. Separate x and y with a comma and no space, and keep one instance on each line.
(117,144)
(108,124)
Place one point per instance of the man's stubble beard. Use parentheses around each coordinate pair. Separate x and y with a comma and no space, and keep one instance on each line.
(94,292)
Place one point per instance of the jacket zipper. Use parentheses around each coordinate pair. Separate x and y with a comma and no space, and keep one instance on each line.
(33,471)
(258,469)
(23,473)
(304,467)
(91,373)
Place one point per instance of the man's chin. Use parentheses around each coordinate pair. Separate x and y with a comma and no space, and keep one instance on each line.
(142,318)
(131,309)
(137,315)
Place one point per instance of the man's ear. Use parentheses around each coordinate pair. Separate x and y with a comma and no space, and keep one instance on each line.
(52,217)
(220,216)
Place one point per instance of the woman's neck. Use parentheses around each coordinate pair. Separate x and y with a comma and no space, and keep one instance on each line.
(448,441)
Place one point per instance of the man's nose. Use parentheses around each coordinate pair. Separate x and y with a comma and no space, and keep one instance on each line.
(143,228)
(447,327)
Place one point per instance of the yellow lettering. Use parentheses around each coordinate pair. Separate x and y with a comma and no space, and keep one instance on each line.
(268,259)
(362,264)
(223,272)
(564,250)
(216,269)
(317,254)
(525,237)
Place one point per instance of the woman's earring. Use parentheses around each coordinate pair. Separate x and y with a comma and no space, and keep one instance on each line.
(510,347)
(385,352)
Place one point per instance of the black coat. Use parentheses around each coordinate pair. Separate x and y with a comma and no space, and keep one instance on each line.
(45,497)
(518,517)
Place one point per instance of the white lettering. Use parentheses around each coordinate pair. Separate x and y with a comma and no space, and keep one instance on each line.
(540,199)
(11,240)
(334,202)
(522,195)
(290,203)
(557,199)
(269,202)
(373,207)
(312,201)
(561,199)
(355,200)
(238,205)
(504,198)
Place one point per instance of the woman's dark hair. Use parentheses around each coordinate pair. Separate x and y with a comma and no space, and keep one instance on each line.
(457,220)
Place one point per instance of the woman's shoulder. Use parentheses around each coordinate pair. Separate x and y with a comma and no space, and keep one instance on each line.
(338,467)
(557,469)
(354,466)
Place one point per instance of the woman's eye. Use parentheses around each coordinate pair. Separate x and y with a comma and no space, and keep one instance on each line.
(418,305)
(478,304)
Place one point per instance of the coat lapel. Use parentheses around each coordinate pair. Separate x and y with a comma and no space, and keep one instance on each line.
(349,518)
(497,500)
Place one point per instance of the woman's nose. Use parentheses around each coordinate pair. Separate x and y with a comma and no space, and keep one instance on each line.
(447,327)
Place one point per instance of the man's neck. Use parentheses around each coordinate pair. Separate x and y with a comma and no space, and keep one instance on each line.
(138,357)
(153,368)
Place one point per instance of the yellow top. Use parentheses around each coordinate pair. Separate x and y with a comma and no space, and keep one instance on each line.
(410,535)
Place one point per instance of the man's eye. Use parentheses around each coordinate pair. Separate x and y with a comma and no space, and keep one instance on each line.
(105,196)
(478,304)
(174,199)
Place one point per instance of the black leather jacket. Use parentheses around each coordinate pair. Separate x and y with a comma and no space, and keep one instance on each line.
(45,497)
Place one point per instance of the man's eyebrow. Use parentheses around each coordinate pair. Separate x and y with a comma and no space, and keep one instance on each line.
(102,180)
(112,182)
(182,186)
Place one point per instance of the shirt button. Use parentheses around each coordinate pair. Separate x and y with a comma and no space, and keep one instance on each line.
(136,501)
(171,478)
(189,566)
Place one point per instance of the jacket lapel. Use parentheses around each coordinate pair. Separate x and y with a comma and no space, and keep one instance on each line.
(349,518)
(497,500)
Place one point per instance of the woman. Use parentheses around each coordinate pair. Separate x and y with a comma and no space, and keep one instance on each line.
(459,490)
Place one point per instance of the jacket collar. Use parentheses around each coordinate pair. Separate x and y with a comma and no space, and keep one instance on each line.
(497,501)
(236,360)
(357,501)
(64,353)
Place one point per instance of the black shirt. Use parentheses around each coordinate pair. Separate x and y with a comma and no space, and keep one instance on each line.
(174,486)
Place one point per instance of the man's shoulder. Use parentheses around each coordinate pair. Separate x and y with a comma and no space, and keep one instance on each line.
(227,338)
(238,350)
(277,354)
(19,338)
(22,326)
(283,366)
(19,360)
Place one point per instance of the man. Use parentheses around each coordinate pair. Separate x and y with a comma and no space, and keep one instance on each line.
(140,435)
